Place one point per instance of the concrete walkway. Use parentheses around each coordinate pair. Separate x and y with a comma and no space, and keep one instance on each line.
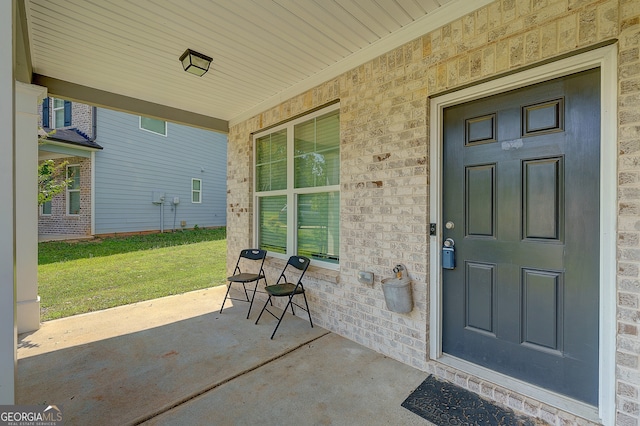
(42,238)
(178,361)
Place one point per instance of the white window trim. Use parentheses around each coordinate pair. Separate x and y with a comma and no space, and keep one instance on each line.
(42,213)
(291,192)
(166,129)
(199,191)
(69,191)
(606,59)
(55,111)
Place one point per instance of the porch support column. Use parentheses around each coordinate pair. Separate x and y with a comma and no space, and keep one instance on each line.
(28,96)
(8,338)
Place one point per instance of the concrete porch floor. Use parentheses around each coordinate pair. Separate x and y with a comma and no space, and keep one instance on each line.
(178,361)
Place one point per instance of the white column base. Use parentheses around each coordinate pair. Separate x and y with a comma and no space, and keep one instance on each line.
(28,315)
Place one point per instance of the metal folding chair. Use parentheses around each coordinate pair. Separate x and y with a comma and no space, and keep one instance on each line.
(248,259)
(284,288)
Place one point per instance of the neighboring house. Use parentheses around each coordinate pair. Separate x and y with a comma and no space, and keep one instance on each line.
(130,173)
(71,140)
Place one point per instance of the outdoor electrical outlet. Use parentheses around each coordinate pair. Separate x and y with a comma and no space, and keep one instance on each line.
(365,277)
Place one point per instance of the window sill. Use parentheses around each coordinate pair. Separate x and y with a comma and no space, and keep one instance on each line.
(315,271)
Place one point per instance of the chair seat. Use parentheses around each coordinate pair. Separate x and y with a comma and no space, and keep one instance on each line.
(245,277)
(284,289)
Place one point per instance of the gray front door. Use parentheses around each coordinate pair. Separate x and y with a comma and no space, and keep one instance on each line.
(521,193)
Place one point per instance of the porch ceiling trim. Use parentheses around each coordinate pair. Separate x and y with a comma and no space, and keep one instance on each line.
(100,98)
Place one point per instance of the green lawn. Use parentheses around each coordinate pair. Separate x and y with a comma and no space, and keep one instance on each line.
(87,276)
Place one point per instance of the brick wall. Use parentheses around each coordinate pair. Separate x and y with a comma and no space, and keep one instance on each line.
(628,312)
(81,117)
(61,223)
(385,171)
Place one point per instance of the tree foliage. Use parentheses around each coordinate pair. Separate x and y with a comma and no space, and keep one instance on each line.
(51,177)
(51,180)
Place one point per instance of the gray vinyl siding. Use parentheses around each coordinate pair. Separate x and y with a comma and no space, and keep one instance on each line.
(134,163)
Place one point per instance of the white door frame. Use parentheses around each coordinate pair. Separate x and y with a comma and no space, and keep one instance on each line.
(606,59)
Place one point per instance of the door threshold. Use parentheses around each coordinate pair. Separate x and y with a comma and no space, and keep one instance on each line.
(564,403)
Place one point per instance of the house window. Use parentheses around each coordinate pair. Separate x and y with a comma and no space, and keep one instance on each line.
(45,209)
(153,125)
(73,190)
(297,181)
(196,191)
(60,113)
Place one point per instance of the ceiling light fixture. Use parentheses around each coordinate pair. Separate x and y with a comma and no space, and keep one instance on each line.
(195,63)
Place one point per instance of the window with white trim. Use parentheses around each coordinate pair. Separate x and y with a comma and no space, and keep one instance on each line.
(153,125)
(196,191)
(297,187)
(73,190)
(56,113)
(59,118)
(45,208)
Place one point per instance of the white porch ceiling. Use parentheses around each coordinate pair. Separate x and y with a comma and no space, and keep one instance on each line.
(263,51)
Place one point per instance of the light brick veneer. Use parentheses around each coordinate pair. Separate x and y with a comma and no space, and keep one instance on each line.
(81,117)
(385,171)
(59,222)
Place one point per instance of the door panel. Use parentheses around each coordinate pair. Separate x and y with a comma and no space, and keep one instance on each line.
(521,184)
(542,183)
(542,315)
(479,194)
(480,290)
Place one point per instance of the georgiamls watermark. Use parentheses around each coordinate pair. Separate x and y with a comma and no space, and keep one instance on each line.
(31,415)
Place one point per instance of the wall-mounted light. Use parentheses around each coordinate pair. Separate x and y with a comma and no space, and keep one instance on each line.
(195,63)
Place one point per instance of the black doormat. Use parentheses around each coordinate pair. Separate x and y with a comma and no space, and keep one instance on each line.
(445,404)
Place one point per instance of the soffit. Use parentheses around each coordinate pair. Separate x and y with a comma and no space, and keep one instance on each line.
(263,51)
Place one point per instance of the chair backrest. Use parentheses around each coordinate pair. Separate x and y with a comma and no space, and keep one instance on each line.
(251,254)
(298,262)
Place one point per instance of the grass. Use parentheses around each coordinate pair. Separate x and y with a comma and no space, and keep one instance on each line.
(87,276)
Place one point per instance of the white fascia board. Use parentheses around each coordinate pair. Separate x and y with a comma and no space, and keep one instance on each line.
(70,145)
